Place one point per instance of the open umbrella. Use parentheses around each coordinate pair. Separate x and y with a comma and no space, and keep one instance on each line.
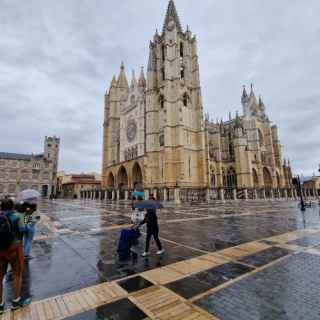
(138,194)
(28,194)
(148,204)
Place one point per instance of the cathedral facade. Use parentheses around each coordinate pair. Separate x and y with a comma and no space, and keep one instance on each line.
(156,137)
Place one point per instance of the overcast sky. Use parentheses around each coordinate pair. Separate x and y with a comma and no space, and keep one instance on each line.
(57,59)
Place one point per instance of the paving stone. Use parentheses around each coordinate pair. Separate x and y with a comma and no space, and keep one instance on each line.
(135,284)
(288,290)
(266,256)
(308,241)
(120,310)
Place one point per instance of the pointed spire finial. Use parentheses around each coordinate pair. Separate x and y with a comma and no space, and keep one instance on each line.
(122,65)
(133,79)
(172,15)
(142,79)
(230,116)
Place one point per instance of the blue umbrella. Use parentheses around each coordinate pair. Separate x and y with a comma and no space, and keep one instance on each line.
(148,204)
(138,194)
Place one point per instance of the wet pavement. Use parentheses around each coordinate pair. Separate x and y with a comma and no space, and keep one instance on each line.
(76,248)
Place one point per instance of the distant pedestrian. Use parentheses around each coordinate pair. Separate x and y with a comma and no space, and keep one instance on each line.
(151,220)
(12,228)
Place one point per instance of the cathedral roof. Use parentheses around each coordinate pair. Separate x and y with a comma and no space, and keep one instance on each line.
(172,15)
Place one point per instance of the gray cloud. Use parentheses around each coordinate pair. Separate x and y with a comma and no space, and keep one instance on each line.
(57,59)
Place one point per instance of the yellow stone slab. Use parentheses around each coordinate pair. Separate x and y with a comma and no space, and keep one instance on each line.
(234,253)
(162,275)
(191,266)
(253,247)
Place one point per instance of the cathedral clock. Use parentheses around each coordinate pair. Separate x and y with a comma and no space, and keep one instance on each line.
(131,130)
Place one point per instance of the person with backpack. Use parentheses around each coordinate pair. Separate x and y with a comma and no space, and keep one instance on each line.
(12,228)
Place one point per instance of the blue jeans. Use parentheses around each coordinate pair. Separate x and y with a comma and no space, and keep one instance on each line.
(27,239)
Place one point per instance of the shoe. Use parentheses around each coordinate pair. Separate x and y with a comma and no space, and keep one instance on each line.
(159,252)
(21,303)
(1,308)
(145,254)
(28,257)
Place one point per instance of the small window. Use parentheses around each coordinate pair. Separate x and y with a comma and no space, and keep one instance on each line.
(181,50)
(49,145)
(163,50)
(182,72)
(185,100)
(161,140)
(161,101)
(163,74)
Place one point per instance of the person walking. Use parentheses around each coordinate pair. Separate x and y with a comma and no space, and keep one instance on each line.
(151,220)
(12,228)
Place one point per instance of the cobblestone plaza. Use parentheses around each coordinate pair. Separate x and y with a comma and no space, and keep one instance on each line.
(232,260)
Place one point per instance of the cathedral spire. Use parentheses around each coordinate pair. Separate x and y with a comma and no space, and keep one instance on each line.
(244,97)
(261,104)
(172,15)
(122,79)
(142,79)
(133,80)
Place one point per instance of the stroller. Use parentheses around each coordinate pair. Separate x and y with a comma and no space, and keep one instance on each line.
(128,238)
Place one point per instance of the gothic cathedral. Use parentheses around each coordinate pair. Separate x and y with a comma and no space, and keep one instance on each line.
(156,137)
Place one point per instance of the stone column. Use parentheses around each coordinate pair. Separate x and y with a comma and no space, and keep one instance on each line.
(165,195)
(255,194)
(286,194)
(234,191)
(221,191)
(146,193)
(155,193)
(126,195)
(208,195)
(272,193)
(118,195)
(177,196)
(245,194)
(113,195)
(264,194)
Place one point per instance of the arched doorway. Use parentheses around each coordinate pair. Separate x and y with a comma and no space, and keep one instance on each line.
(255,178)
(231,178)
(110,185)
(137,178)
(267,179)
(110,181)
(122,182)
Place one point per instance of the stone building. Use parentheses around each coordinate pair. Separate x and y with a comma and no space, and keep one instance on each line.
(30,171)
(71,185)
(157,139)
(312,186)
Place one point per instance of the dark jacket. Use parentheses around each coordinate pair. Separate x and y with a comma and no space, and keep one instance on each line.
(151,220)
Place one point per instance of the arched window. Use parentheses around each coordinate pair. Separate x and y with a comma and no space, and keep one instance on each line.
(161,101)
(185,100)
(181,50)
(182,72)
(163,51)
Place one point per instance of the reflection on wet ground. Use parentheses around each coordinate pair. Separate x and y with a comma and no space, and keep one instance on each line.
(82,236)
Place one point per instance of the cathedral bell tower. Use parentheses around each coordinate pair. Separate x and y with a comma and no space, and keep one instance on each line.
(175,141)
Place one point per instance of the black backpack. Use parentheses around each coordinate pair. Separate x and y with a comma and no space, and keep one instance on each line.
(6,233)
